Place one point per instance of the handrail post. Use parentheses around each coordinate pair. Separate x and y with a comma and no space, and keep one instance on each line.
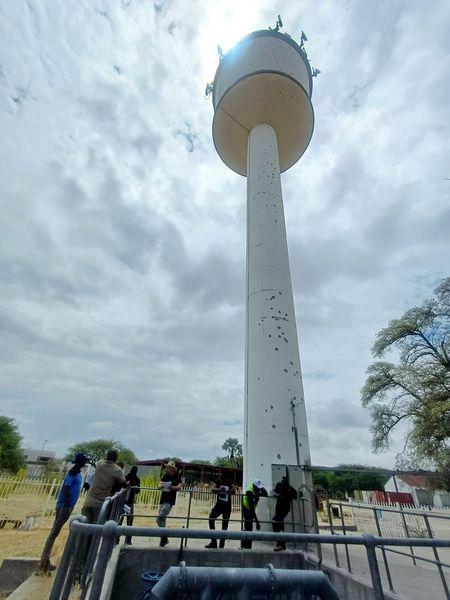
(188,519)
(383,551)
(404,519)
(373,566)
(347,553)
(108,537)
(436,556)
(63,568)
(330,520)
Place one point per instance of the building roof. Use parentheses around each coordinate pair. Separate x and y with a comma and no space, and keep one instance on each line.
(188,465)
(420,481)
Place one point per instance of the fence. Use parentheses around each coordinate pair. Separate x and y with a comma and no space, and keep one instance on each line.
(394,522)
(22,500)
(106,535)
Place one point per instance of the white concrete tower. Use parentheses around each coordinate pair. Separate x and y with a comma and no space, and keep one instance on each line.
(263,122)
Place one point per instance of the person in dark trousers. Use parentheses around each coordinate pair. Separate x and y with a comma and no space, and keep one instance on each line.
(135,483)
(284,493)
(65,502)
(170,484)
(249,503)
(224,491)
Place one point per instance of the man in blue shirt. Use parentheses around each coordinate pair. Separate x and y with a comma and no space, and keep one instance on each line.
(65,503)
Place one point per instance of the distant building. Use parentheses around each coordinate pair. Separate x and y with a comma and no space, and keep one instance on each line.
(424,489)
(37,460)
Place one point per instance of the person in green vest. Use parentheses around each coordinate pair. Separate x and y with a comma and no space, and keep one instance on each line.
(249,503)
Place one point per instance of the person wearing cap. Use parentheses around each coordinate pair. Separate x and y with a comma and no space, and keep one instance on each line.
(170,484)
(249,503)
(65,503)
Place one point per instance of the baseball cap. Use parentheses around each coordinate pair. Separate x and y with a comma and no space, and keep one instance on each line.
(81,459)
(258,483)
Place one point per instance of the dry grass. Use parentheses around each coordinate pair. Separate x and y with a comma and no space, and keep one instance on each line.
(14,542)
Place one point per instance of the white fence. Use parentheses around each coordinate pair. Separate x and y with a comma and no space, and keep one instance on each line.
(410,523)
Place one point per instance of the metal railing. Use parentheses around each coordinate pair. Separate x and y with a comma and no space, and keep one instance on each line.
(83,562)
(377,510)
(106,536)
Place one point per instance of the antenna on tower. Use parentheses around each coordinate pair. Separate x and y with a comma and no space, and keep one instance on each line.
(209,89)
(303,39)
(278,24)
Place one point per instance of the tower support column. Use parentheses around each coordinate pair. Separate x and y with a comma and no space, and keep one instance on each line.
(275,418)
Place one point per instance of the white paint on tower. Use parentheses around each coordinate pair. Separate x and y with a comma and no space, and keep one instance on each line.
(273,373)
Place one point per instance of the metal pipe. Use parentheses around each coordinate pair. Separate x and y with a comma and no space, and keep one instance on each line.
(373,566)
(218,579)
(345,534)
(204,534)
(404,519)
(433,515)
(383,552)
(422,558)
(188,515)
(436,556)
(107,544)
(330,520)
(61,573)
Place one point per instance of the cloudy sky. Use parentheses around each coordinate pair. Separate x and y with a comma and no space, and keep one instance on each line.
(122,244)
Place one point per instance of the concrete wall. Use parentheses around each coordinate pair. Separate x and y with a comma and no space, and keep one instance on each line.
(132,562)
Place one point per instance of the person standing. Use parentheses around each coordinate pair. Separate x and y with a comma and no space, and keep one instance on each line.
(117,486)
(65,503)
(249,503)
(170,484)
(284,493)
(135,483)
(222,507)
(107,473)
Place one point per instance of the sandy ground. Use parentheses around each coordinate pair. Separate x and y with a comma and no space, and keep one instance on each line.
(14,542)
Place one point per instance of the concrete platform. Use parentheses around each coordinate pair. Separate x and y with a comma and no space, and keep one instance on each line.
(14,571)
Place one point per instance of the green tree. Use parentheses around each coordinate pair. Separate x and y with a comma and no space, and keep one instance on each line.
(11,455)
(416,389)
(97,449)
(233,448)
(343,480)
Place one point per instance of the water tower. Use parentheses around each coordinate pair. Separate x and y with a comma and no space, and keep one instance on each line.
(263,123)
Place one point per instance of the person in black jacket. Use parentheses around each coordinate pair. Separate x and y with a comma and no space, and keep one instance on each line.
(284,493)
(224,490)
(135,483)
